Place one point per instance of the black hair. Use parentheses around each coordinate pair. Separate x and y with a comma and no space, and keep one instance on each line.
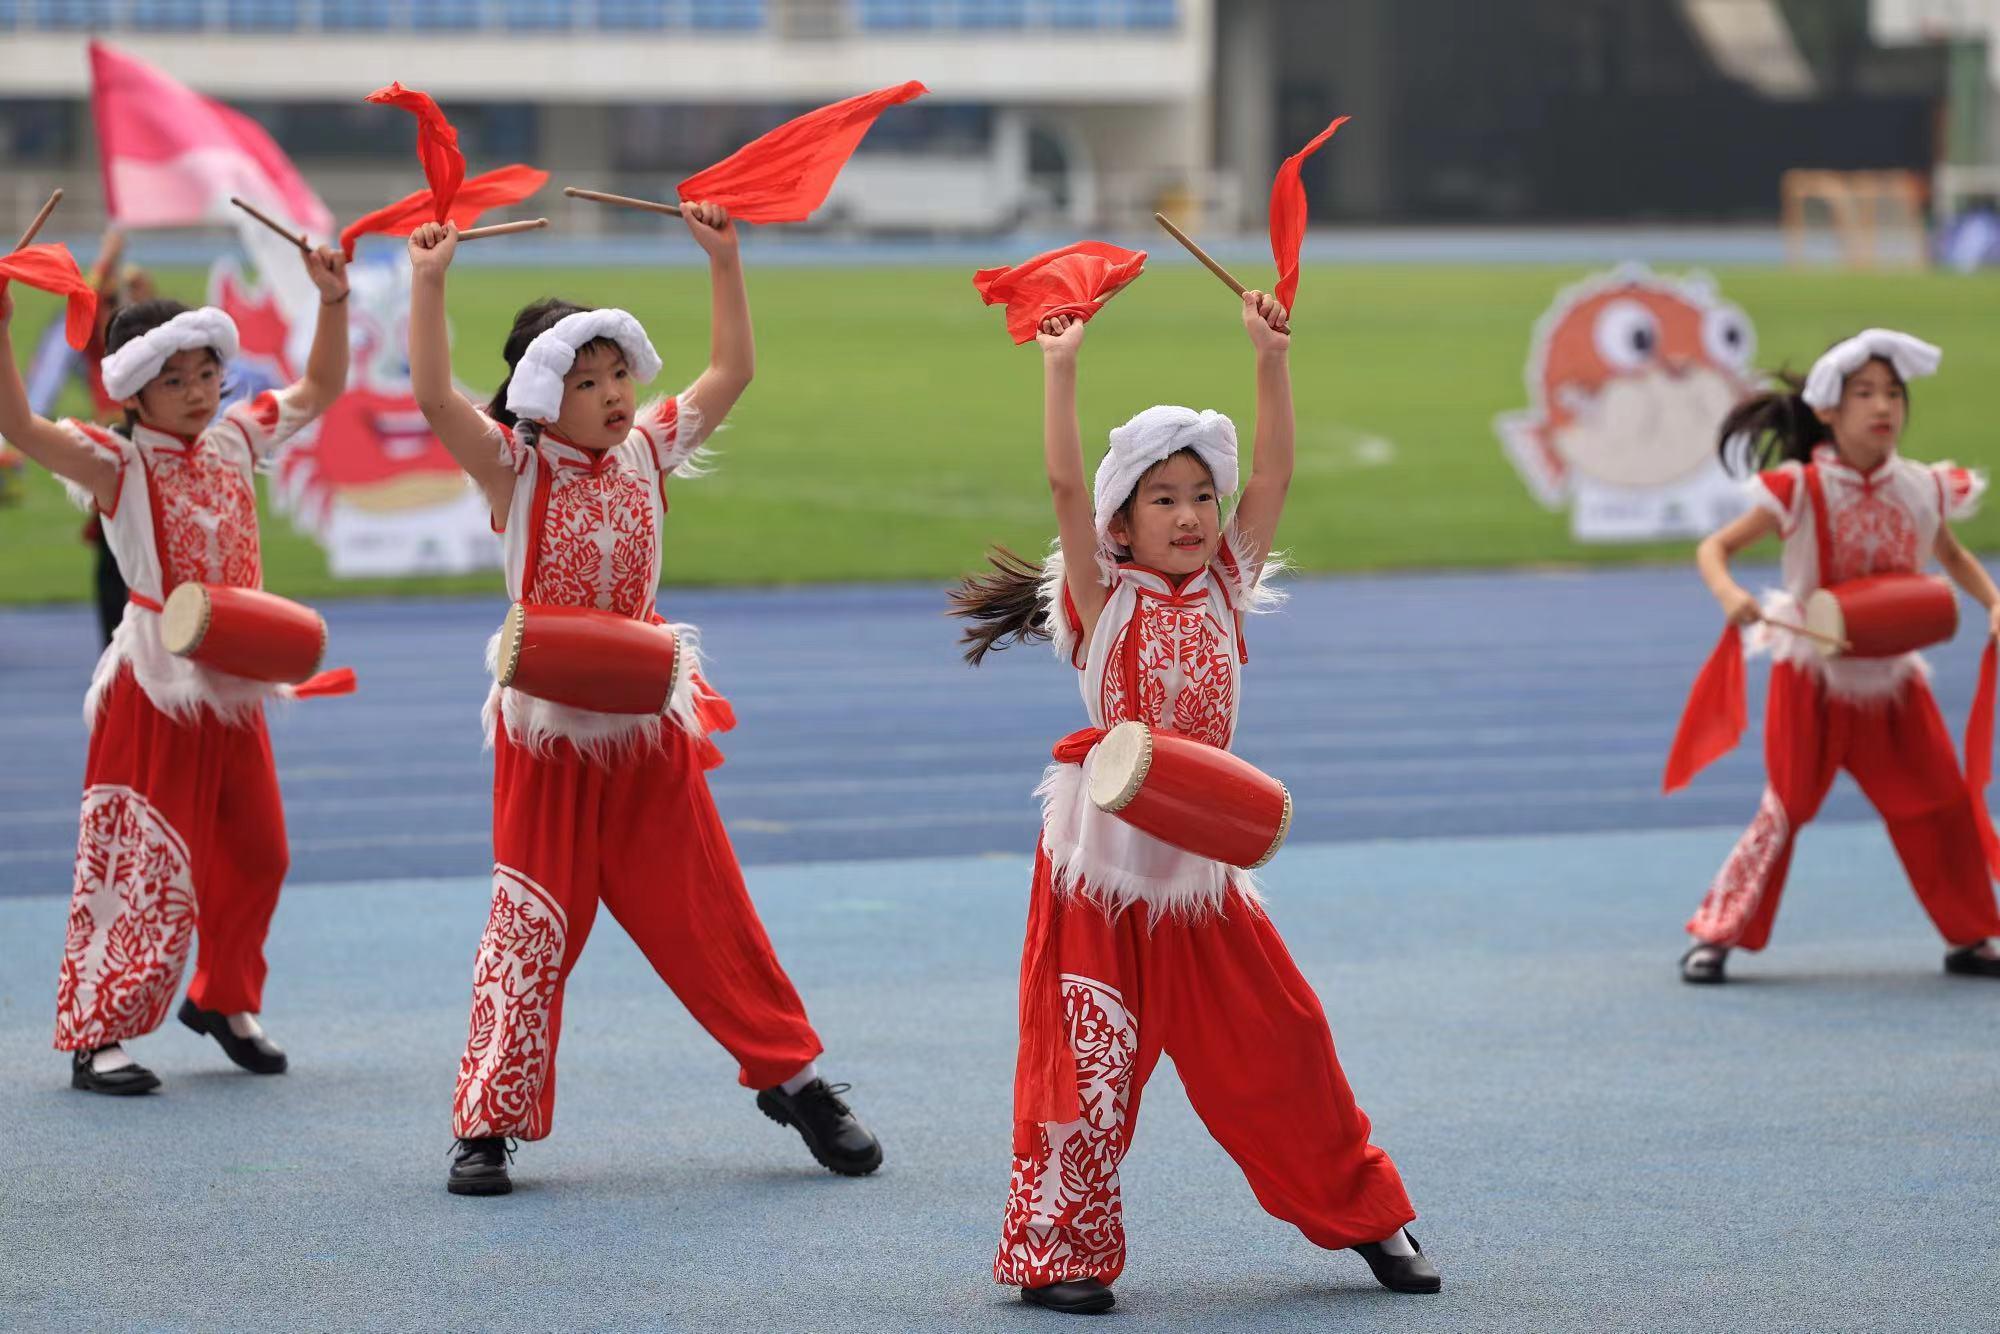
(535,319)
(1778,425)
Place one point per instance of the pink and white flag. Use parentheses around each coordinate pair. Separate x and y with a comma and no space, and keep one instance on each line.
(172,158)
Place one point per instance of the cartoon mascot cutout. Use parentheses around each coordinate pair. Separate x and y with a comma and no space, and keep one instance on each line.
(1629,375)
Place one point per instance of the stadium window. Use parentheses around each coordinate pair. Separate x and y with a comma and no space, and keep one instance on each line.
(644,15)
(1152,14)
(992,13)
(73,13)
(354,15)
(899,15)
(263,15)
(40,132)
(1076,13)
(541,15)
(437,15)
(732,15)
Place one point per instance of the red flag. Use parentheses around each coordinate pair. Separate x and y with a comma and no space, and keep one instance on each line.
(1075,280)
(172,158)
(1288,216)
(1979,754)
(437,142)
(784,175)
(1715,717)
(51,268)
(494,189)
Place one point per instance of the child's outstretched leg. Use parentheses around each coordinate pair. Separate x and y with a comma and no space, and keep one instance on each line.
(1903,759)
(545,887)
(1062,1237)
(1248,1036)
(672,881)
(1805,740)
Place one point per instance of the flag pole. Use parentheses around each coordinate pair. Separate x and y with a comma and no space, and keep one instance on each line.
(621,201)
(40,218)
(296,238)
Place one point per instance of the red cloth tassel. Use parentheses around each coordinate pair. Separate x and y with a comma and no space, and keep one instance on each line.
(494,189)
(784,175)
(1288,216)
(1075,280)
(1716,715)
(335,681)
(437,142)
(1979,754)
(51,268)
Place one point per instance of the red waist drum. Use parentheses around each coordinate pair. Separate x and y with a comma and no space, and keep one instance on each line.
(1196,797)
(588,659)
(244,631)
(1883,615)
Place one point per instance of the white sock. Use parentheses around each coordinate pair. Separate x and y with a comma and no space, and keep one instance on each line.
(245,1025)
(1397,1243)
(802,1078)
(107,1059)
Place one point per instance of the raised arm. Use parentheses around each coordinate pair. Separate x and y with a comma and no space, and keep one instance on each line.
(458,425)
(40,439)
(1263,502)
(1712,559)
(732,350)
(1062,453)
(1966,571)
(326,366)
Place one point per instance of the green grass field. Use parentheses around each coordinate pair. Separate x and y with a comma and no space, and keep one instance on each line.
(893,432)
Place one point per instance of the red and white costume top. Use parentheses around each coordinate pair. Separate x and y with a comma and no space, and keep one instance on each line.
(1164,654)
(185,512)
(583,530)
(1881,522)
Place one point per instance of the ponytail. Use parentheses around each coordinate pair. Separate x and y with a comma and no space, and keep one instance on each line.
(1005,607)
(1773,427)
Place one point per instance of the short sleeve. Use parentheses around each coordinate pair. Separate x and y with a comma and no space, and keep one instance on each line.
(267,421)
(674,429)
(1779,492)
(106,444)
(507,444)
(1959,490)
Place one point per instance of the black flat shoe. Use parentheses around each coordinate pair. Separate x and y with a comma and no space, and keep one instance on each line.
(120,1083)
(1702,964)
(479,1167)
(1969,962)
(1083,1296)
(1401,1273)
(258,1055)
(838,1142)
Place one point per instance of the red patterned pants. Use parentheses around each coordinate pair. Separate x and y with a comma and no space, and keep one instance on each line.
(181,842)
(1247,1035)
(643,836)
(1898,751)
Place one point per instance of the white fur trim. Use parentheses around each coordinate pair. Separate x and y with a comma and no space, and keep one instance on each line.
(179,687)
(1959,507)
(1099,857)
(535,390)
(1912,357)
(81,496)
(688,457)
(604,738)
(127,370)
(1854,680)
(1148,438)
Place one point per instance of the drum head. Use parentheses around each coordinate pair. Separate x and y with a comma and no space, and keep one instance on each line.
(1825,617)
(1118,766)
(184,619)
(508,659)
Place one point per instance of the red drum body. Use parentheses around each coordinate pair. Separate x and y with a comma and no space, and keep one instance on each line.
(244,631)
(1883,615)
(588,659)
(1194,796)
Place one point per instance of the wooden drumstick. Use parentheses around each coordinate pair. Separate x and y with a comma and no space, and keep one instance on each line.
(622,201)
(296,238)
(1834,640)
(1199,253)
(40,218)
(505,229)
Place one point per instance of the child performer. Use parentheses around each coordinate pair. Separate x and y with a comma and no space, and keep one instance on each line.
(183,830)
(1135,948)
(1847,505)
(596,806)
